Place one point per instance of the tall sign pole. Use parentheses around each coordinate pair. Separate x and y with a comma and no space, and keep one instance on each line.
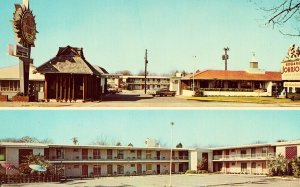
(225,57)
(146,62)
(25,33)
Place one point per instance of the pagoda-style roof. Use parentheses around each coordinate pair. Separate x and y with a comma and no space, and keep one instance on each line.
(68,60)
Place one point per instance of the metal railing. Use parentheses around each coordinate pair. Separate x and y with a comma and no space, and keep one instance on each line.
(244,156)
(111,157)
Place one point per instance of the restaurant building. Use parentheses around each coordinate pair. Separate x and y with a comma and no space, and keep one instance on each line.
(10,81)
(250,82)
(70,77)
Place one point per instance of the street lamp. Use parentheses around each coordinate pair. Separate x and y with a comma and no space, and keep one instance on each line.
(194,72)
(171,154)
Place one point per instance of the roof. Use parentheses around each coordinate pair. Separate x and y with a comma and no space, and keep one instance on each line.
(241,146)
(285,143)
(39,145)
(68,60)
(22,145)
(234,75)
(12,73)
(100,69)
(114,147)
(148,77)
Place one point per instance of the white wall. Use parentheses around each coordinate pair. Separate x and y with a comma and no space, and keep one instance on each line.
(193,160)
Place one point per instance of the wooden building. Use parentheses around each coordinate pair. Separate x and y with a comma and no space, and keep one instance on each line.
(70,77)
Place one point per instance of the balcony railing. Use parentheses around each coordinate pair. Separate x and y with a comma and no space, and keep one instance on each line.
(244,156)
(113,158)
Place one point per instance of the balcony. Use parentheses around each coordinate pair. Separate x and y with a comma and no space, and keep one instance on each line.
(115,158)
(236,157)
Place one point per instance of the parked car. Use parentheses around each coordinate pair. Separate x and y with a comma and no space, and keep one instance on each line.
(162,92)
(112,90)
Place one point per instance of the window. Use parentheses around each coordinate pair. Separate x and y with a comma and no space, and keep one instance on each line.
(7,85)
(75,150)
(233,163)
(132,151)
(2,154)
(132,165)
(76,166)
(148,167)
(96,154)
(148,155)
(264,165)
(243,152)
(120,154)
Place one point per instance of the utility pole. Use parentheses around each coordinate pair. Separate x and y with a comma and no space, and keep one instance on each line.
(146,62)
(225,57)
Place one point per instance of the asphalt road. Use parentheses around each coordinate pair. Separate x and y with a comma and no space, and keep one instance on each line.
(137,101)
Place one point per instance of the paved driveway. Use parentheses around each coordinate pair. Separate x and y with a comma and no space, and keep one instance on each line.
(177,181)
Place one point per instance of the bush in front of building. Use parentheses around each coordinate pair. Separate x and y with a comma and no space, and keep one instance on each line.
(295,166)
(294,96)
(199,93)
(191,172)
(278,166)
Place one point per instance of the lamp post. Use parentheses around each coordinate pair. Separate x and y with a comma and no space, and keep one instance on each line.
(194,72)
(171,154)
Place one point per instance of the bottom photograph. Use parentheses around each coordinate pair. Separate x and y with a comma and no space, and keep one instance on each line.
(149,148)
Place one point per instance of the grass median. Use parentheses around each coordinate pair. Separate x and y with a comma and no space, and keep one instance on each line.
(259,100)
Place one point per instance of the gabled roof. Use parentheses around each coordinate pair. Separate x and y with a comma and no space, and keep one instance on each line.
(100,69)
(234,75)
(12,73)
(68,60)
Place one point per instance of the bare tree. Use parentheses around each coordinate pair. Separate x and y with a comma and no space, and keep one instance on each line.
(124,72)
(105,140)
(26,139)
(282,13)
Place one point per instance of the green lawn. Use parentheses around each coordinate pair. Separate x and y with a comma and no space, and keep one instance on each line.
(259,100)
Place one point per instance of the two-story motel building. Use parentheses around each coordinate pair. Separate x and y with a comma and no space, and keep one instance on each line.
(96,160)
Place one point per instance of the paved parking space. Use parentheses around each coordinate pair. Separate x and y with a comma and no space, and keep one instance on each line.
(177,181)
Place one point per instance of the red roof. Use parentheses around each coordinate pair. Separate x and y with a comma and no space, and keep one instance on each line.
(235,75)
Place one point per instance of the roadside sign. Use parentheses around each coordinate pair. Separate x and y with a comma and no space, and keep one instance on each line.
(18,51)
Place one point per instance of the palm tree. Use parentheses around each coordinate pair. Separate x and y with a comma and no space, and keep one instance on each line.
(75,140)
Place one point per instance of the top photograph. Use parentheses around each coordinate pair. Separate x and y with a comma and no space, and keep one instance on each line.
(150,53)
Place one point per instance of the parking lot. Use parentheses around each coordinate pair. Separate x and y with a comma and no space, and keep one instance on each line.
(142,100)
(177,180)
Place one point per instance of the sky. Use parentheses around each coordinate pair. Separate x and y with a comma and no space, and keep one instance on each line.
(115,34)
(201,128)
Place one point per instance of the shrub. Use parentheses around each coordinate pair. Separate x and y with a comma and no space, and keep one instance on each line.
(278,166)
(191,172)
(295,164)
